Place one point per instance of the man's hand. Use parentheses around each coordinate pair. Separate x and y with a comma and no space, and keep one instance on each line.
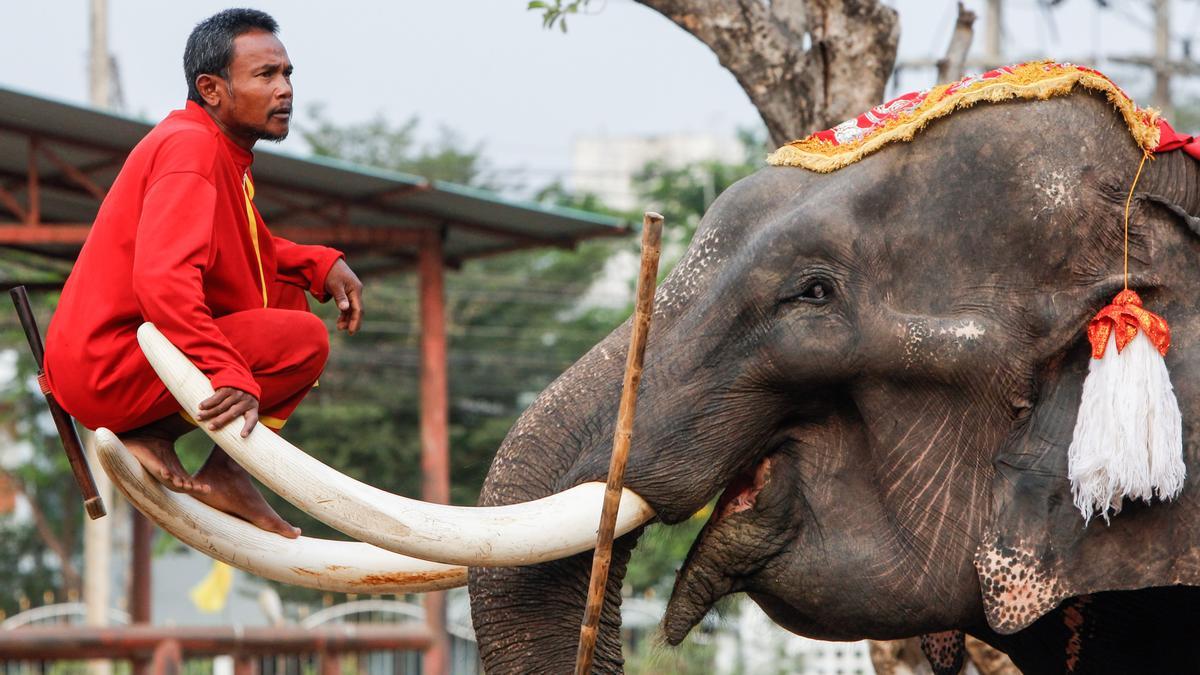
(346,289)
(226,405)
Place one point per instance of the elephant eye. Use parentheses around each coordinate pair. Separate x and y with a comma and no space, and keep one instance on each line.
(816,292)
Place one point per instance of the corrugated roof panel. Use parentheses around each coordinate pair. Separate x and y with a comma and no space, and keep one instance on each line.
(319,194)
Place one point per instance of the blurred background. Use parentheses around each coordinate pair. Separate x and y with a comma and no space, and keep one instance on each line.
(620,112)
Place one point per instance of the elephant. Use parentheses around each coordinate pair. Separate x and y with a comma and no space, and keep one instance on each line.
(876,373)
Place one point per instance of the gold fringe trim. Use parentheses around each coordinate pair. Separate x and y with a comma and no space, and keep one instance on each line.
(1026,81)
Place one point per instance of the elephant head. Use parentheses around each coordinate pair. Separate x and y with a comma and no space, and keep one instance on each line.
(877,371)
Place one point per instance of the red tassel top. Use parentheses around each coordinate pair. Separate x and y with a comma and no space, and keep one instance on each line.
(1123,319)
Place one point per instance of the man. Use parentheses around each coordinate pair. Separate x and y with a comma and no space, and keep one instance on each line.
(178,242)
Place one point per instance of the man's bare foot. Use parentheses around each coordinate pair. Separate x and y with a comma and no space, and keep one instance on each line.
(157,455)
(233,493)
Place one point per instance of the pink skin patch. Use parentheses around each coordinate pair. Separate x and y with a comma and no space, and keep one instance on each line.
(946,651)
(1017,590)
(742,493)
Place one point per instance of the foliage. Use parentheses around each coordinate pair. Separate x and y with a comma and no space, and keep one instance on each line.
(556,11)
(40,554)
(683,193)
(380,144)
(1186,119)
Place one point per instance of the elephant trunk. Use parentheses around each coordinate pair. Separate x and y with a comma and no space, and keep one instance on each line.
(527,618)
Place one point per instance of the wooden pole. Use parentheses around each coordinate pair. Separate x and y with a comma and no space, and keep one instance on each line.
(602,558)
(141,587)
(435,434)
(951,66)
(99,93)
(994,44)
(76,456)
(1162,58)
(97,558)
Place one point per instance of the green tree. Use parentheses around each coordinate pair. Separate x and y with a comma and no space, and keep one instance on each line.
(40,554)
(380,144)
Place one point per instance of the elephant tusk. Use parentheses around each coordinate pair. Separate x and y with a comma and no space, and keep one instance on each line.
(551,528)
(338,566)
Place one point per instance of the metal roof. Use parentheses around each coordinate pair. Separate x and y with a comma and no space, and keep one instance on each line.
(58,159)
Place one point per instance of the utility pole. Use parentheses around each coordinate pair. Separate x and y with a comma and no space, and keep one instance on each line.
(1162,58)
(97,557)
(99,65)
(1160,62)
(97,534)
(993,48)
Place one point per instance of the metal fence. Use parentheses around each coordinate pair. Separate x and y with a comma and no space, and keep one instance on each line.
(368,637)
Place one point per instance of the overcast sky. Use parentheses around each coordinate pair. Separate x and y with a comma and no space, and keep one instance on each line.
(487,70)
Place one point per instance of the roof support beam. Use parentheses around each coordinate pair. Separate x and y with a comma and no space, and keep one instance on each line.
(77,176)
(10,202)
(373,202)
(385,237)
(41,233)
(320,210)
(34,213)
(434,419)
(76,233)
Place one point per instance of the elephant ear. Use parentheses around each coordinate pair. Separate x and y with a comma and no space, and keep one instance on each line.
(1037,550)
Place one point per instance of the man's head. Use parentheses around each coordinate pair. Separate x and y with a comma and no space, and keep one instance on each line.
(239,71)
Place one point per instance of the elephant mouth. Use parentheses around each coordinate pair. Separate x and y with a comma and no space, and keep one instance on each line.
(707,574)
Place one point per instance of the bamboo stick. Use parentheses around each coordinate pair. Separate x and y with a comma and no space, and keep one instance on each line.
(602,558)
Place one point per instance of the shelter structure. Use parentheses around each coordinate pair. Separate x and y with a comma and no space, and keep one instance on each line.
(58,160)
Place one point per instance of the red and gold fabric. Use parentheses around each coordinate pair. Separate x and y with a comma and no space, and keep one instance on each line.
(1122,319)
(901,118)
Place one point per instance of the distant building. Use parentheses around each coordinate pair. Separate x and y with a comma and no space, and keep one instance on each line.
(605,165)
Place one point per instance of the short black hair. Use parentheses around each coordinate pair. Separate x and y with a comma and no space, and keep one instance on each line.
(209,48)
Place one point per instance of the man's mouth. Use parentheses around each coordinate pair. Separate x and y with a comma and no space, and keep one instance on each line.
(285,113)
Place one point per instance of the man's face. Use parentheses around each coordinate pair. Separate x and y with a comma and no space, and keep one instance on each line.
(258,102)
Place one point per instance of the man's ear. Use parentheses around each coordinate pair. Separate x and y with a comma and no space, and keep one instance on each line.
(212,89)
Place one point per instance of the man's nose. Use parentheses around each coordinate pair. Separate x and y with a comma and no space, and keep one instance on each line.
(285,90)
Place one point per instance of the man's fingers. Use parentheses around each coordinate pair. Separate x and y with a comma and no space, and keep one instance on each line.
(339,295)
(217,397)
(251,420)
(221,403)
(356,310)
(235,410)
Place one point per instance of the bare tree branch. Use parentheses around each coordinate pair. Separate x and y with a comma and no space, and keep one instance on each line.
(950,67)
(805,64)
(71,578)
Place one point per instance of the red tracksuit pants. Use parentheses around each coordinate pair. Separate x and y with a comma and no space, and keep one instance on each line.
(286,350)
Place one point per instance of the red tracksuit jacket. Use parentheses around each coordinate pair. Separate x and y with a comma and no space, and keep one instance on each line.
(172,245)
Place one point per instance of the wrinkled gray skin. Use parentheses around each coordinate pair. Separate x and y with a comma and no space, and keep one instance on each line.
(892,454)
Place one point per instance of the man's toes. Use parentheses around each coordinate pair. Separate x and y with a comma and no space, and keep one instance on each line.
(278,526)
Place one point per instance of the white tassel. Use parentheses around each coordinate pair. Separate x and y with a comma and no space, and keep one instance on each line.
(1128,439)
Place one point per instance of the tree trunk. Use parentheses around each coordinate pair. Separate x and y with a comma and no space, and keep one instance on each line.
(61,546)
(805,64)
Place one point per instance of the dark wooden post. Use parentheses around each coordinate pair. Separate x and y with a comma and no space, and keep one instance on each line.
(435,434)
(140,581)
